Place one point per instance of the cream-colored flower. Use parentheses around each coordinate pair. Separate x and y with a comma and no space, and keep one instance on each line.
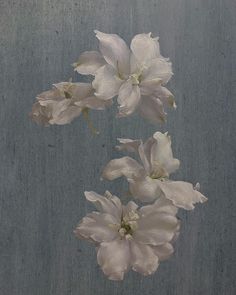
(137,75)
(128,237)
(150,180)
(65,102)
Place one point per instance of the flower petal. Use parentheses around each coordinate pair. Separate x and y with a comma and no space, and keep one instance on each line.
(156,228)
(159,68)
(149,87)
(125,166)
(145,189)
(143,258)
(106,83)
(131,206)
(128,99)
(66,116)
(128,145)
(94,103)
(161,205)
(151,108)
(165,96)
(163,252)
(115,51)
(145,48)
(106,204)
(114,258)
(40,114)
(161,154)
(182,194)
(89,62)
(96,227)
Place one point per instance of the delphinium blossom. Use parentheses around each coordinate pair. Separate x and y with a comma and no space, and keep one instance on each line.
(65,102)
(149,179)
(137,75)
(127,237)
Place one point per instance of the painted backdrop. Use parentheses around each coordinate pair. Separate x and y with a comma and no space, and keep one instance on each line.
(44,171)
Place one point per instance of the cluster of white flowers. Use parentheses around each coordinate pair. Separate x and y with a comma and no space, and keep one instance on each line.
(126,236)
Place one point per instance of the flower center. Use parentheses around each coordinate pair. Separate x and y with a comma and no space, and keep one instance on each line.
(128,225)
(135,78)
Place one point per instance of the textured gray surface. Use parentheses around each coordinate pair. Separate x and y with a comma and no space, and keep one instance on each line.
(44,171)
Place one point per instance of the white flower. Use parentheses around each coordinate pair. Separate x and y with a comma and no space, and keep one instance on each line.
(64,102)
(150,180)
(136,75)
(127,237)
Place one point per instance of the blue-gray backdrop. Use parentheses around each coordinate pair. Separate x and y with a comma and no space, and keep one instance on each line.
(44,171)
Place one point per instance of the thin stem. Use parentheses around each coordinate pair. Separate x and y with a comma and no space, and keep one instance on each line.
(85,113)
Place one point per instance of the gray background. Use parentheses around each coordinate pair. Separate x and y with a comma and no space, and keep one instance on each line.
(44,171)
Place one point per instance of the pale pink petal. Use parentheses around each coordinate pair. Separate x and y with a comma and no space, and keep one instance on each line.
(159,68)
(149,87)
(145,48)
(163,252)
(114,258)
(151,108)
(125,166)
(106,83)
(182,194)
(106,204)
(128,99)
(161,205)
(147,148)
(97,227)
(128,145)
(40,114)
(145,189)
(165,96)
(89,62)
(156,228)
(131,206)
(65,116)
(115,51)
(94,103)
(144,158)
(161,154)
(143,258)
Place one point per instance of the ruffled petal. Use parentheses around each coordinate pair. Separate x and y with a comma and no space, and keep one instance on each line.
(149,87)
(40,114)
(156,228)
(165,96)
(143,157)
(159,68)
(128,99)
(145,48)
(106,204)
(62,117)
(161,155)
(94,103)
(115,51)
(143,258)
(89,62)
(114,258)
(128,145)
(161,205)
(182,194)
(145,189)
(125,166)
(106,83)
(151,108)
(131,206)
(97,228)
(163,252)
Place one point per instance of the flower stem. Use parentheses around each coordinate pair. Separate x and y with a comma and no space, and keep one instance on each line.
(85,113)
